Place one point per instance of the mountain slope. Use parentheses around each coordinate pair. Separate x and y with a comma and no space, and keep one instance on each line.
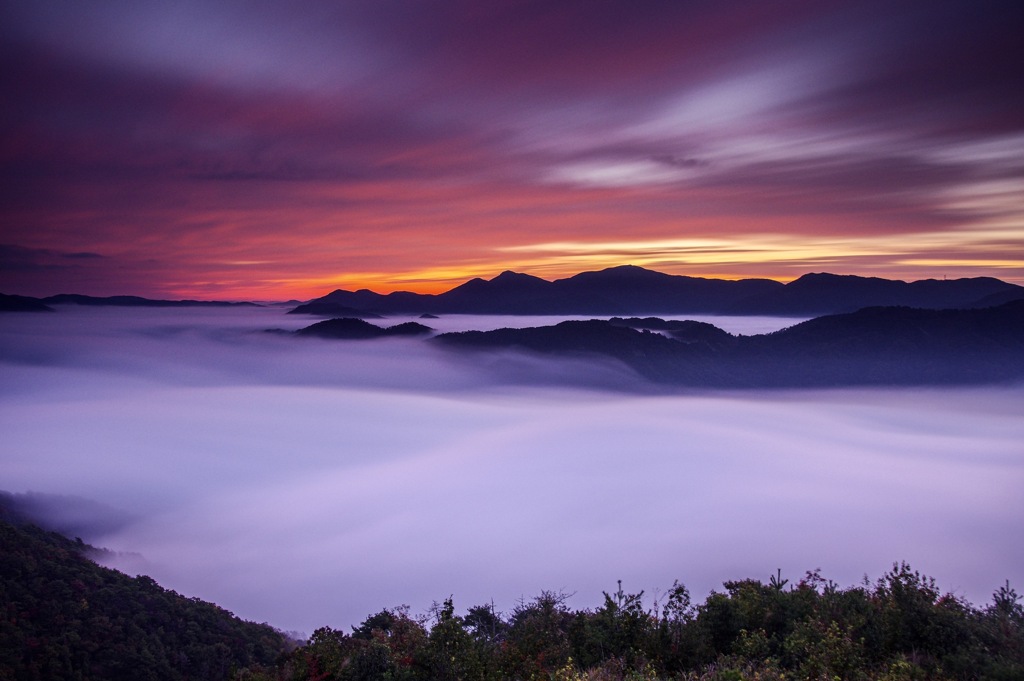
(823,293)
(356,329)
(65,617)
(874,346)
(22,304)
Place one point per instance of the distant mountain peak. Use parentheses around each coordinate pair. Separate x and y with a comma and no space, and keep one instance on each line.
(631,290)
(509,275)
(829,276)
(633,269)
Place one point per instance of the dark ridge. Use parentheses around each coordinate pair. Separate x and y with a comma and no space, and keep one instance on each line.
(686,330)
(507,293)
(135,301)
(65,617)
(325,308)
(631,290)
(634,290)
(349,328)
(650,354)
(570,336)
(10,303)
(823,293)
(367,304)
(994,299)
(874,346)
(408,329)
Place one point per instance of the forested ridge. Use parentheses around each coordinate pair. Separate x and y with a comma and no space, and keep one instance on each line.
(64,617)
(872,346)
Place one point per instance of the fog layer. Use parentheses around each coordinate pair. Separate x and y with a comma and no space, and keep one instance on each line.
(306,482)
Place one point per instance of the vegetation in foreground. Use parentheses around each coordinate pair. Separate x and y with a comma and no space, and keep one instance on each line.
(64,617)
(899,628)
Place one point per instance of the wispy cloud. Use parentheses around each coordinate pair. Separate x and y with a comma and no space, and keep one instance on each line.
(350,139)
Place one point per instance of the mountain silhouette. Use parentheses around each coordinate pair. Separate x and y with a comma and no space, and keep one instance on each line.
(69,618)
(349,328)
(873,346)
(135,301)
(329,308)
(823,293)
(685,330)
(22,304)
(631,290)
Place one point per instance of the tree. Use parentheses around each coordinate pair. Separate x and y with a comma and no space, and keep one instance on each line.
(538,641)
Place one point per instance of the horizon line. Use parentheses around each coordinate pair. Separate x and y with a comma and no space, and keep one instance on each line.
(277,301)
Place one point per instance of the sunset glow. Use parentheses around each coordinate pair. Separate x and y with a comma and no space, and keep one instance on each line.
(265,151)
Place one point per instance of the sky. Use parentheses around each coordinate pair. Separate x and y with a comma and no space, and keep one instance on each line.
(268,151)
(307,483)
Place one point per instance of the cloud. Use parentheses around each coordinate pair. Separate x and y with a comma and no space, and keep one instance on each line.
(194,132)
(309,483)
(14,257)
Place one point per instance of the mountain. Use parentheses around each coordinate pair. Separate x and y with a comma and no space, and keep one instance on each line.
(324,307)
(685,330)
(631,290)
(65,617)
(507,293)
(22,304)
(356,329)
(823,293)
(634,290)
(10,303)
(134,301)
(873,346)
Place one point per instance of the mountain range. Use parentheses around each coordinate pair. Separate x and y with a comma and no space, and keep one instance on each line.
(631,290)
(623,290)
(9,303)
(872,346)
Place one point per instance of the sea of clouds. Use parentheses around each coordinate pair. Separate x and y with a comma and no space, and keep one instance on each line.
(305,482)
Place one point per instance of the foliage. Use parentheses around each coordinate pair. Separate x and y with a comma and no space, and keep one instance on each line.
(62,616)
(901,628)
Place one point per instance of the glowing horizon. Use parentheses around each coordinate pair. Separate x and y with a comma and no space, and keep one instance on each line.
(276,153)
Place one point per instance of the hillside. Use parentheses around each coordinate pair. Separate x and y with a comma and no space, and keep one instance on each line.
(356,329)
(873,346)
(65,617)
(22,304)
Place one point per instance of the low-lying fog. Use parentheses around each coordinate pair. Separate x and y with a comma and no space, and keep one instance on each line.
(305,482)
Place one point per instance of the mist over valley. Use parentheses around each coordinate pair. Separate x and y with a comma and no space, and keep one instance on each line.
(303,481)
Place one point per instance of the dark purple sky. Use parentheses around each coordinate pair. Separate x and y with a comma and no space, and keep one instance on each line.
(275,150)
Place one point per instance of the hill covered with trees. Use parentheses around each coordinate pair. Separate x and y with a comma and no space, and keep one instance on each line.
(873,346)
(63,617)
